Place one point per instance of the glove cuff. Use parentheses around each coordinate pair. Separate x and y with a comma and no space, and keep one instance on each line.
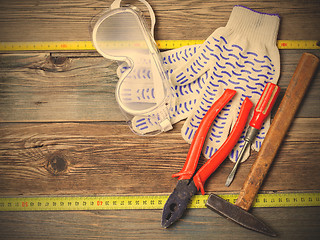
(256,26)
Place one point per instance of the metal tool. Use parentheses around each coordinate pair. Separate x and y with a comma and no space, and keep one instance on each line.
(289,105)
(188,184)
(261,111)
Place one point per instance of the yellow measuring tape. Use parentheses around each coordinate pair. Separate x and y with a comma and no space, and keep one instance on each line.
(145,202)
(162,44)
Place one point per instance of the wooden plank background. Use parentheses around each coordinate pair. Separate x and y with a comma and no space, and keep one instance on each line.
(61,132)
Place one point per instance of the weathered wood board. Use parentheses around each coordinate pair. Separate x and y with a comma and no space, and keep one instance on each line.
(96,158)
(41,88)
(61,132)
(32,20)
(290,223)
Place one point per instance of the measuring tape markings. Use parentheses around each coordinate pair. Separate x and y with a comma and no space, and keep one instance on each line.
(145,202)
(162,44)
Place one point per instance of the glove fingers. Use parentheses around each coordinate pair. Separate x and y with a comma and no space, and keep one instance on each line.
(256,145)
(195,67)
(143,125)
(189,128)
(204,101)
(222,126)
(218,132)
(186,99)
(185,96)
(254,94)
(234,154)
(172,59)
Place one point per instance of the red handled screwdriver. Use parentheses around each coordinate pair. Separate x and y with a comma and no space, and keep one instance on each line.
(261,111)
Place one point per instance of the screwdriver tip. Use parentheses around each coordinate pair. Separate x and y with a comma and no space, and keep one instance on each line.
(229,181)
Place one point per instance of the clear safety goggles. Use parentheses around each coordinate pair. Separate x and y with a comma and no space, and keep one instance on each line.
(143,89)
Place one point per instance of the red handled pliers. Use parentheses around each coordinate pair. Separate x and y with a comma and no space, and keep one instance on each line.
(188,184)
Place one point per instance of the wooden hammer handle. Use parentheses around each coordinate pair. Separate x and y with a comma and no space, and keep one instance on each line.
(289,105)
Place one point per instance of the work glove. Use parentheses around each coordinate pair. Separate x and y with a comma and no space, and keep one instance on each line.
(242,56)
(184,96)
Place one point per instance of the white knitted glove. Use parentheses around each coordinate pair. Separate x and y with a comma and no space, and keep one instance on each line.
(184,95)
(241,56)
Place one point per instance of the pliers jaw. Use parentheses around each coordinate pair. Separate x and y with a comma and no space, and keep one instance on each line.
(178,202)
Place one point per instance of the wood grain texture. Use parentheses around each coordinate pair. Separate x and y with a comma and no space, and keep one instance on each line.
(290,223)
(38,87)
(96,158)
(70,20)
(61,131)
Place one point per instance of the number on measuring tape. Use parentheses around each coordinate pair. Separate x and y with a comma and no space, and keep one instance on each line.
(146,202)
(162,44)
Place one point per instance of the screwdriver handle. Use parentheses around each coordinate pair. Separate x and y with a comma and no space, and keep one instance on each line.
(264,105)
(261,111)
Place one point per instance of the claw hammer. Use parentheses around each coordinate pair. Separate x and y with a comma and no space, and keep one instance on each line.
(289,105)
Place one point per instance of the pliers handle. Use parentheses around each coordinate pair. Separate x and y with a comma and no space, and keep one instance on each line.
(221,154)
(187,187)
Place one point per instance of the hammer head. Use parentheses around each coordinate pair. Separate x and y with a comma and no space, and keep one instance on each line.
(238,215)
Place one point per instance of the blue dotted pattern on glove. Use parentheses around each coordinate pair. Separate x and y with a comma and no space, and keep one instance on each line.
(225,66)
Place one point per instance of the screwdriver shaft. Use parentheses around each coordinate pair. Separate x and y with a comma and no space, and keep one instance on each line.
(261,111)
(234,170)
(250,136)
